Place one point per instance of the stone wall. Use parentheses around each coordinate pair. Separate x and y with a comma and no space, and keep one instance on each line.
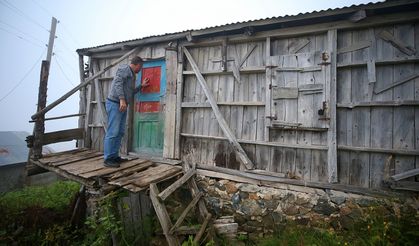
(259,210)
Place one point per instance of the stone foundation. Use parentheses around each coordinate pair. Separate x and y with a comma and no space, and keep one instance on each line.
(259,210)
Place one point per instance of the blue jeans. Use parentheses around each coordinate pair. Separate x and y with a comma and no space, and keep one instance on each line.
(116,130)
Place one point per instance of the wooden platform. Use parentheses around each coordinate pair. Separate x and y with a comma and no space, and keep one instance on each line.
(86,167)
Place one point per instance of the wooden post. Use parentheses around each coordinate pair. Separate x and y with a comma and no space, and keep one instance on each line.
(39,127)
(170,107)
(82,103)
(331,134)
(179,98)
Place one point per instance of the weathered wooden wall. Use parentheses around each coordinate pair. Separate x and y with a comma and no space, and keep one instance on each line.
(278,102)
(362,74)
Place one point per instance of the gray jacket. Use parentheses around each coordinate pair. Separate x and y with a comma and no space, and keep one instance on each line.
(123,84)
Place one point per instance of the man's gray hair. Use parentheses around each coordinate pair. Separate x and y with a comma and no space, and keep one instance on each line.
(137,60)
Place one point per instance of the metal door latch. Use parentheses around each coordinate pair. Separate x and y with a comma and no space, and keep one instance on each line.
(272,117)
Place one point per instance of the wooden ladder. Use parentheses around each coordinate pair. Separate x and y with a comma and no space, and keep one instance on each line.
(157,198)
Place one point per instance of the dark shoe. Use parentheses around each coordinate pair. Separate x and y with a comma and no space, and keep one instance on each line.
(111,163)
(120,160)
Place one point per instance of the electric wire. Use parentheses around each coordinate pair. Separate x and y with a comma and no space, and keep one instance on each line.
(21,13)
(62,71)
(20,37)
(24,33)
(24,77)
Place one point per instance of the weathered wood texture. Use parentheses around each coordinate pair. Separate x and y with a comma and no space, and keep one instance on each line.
(377,126)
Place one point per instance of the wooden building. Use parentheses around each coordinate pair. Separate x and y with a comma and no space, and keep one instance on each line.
(322,97)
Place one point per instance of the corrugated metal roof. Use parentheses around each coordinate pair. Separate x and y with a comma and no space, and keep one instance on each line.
(243,22)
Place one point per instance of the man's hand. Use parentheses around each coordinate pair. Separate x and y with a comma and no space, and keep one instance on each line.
(122,105)
(146,82)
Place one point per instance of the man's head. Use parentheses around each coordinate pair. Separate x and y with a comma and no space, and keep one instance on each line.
(136,64)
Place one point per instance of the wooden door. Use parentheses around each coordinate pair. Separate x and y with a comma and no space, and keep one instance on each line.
(303,105)
(149,107)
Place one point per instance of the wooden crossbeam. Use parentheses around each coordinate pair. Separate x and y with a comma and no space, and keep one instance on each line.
(223,124)
(405,175)
(202,229)
(185,212)
(163,216)
(169,190)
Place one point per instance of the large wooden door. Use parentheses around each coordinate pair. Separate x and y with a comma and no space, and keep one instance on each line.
(149,107)
(303,104)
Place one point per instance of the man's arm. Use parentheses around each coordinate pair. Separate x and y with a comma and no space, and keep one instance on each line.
(144,83)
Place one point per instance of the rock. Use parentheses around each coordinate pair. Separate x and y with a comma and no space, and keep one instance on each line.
(289,197)
(345,211)
(347,222)
(235,200)
(249,188)
(251,207)
(264,196)
(302,199)
(324,207)
(290,209)
(220,186)
(338,200)
(302,220)
(271,204)
(214,204)
(253,196)
(231,187)
(247,228)
(303,210)
(244,195)
(365,202)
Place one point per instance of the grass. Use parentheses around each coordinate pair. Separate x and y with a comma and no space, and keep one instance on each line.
(374,228)
(56,196)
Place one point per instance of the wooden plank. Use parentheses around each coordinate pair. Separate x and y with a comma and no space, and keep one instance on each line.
(149,172)
(398,82)
(179,97)
(60,156)
(99,98)
(399,44)
(140,166)
(84,166)
(380,103)
(223,124)
(171,100)
(202,229)
(163,216)
(62,136)
(332,170)
(194,191)
(404,175)
(232,103)
(406,185)
(284,93)
(77,158)
(185,212)
(268,86)
(124,169)
(272,143)
(357,46)
(169,172)
(174,186)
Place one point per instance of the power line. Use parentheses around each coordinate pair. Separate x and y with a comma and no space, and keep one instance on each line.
(60,22)
(20,37)
(72,67)
(24,77)
(24,33)
(21,13)
(62,71)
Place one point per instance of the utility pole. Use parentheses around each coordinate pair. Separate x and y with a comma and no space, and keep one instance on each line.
(39,127)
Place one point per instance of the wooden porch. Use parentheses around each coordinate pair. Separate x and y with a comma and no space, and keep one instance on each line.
(86,167)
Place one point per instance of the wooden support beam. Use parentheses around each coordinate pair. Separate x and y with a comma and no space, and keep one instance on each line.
(171,103)
(178,183)
(223,124)
(399,82)
(405,185)
(379,150)
(400,45)
(195,190)
(191,205)
(163,216)
(268,90)
(202,229)
(379,104)
(81,85)
(62,136)
(332,170)
(179,96)
(405,175)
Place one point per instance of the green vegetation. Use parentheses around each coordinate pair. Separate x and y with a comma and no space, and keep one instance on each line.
(36,215)
(376,227)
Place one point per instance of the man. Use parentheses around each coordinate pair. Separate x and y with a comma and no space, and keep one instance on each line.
(121,92)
